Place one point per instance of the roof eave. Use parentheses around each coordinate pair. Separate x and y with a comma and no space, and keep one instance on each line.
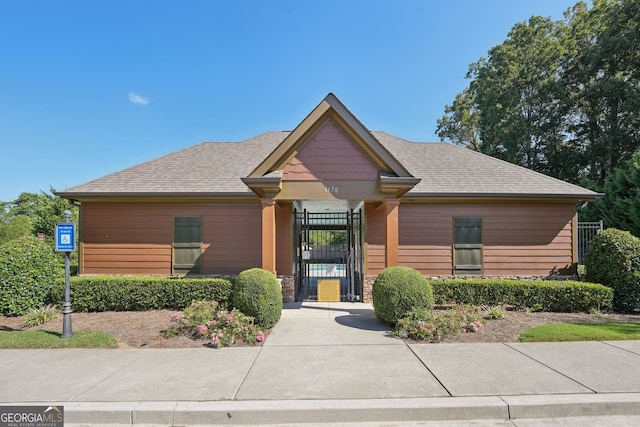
(397,185)
(577,198)
(264,186)
(150,197)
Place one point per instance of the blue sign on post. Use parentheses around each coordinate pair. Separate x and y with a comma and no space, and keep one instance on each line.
(65,237)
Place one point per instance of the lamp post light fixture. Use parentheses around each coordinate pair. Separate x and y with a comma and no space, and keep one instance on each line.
(67,331)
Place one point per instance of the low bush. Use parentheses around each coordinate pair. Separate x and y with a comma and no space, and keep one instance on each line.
(613,259)
(424,325)
(398,290)
(257,293)
(28,269)
(493,313)
(536,295)
(40,316)
(140,293)
(207,320)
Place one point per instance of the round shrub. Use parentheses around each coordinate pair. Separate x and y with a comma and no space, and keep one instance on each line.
(28,268)
(256,293)
(398,290)
(613,260)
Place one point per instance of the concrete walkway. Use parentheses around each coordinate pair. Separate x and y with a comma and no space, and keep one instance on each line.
(331,363)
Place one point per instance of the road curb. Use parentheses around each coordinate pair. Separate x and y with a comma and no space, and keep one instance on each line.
(259,412)
(573,405)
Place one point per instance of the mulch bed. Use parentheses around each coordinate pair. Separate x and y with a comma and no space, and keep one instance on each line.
(146,329)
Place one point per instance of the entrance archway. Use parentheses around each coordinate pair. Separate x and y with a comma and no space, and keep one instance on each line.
(328,250)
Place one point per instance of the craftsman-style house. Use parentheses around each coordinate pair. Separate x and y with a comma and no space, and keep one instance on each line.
(328,200)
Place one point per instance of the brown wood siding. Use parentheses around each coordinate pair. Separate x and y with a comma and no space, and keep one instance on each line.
(284,239)
(234,233)
(330,155)
(374,240)
(518,239)
(117,258)
(137,239)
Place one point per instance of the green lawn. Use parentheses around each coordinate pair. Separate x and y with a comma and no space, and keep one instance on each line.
(605,331)
(48,339)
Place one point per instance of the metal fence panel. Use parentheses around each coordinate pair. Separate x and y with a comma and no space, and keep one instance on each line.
(586,232)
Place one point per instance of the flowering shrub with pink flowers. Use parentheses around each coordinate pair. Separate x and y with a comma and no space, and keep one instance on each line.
(206,320)
(424,325)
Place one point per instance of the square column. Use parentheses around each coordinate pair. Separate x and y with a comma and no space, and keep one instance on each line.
(391,207)
(269,234)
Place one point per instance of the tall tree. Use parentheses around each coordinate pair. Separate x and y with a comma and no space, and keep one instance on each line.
(559,97)
(620,205)
(12,228)
(34,213)
(510,109)
(460,122)
(602,74)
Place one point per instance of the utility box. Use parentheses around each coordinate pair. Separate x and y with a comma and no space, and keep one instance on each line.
(328,290)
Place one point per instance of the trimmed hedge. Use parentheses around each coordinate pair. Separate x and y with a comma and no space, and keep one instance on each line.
(613,259)
(257,293)
(539,295)
(398,290)
(28,268)
(140,293)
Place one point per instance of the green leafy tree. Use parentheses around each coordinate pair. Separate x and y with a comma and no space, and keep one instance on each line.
(558,97)
(328,238)
(460,121)
(517,88)
(14,227)
(44,210)
(35,213)
(620,205)
(602,77)
(510,109)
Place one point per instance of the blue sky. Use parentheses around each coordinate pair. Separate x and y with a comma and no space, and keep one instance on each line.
(88,88)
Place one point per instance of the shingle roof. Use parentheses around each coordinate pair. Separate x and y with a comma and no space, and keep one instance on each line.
(205,168)
(216,168)
(447,169)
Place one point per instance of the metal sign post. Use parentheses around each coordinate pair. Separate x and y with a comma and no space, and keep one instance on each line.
(66,242)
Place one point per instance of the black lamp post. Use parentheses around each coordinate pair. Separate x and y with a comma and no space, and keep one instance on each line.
(67,331)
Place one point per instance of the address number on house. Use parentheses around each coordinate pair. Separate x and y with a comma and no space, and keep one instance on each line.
(333,190)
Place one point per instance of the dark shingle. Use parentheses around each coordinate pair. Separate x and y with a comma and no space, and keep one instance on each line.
(449,169)
(209,167)
(217,167)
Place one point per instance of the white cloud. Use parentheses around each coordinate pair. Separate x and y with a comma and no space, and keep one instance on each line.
(137,99)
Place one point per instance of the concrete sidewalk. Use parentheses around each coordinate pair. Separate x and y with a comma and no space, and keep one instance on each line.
(329,363)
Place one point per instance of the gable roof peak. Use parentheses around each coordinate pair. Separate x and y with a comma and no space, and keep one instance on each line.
(331,108)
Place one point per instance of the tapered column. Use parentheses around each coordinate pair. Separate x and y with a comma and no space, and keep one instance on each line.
(391,232)
(269,235)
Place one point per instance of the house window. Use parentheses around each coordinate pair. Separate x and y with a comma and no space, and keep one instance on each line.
(467,246)
(187,245)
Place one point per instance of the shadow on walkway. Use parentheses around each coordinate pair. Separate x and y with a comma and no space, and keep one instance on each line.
(351,314)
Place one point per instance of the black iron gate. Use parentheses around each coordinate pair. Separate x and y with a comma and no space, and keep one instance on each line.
(328,246)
